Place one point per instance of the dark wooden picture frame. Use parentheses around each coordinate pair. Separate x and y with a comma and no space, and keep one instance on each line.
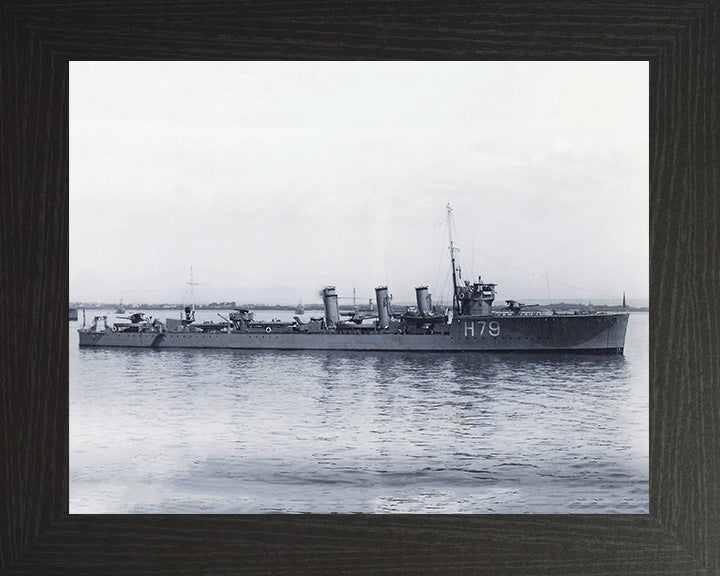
(680,535)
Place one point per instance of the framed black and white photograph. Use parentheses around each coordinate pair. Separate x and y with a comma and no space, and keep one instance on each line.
(345,340)
(416,306)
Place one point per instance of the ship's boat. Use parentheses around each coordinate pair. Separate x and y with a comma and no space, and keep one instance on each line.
(471,325)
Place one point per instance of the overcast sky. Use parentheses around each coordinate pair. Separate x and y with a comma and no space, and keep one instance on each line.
(273,180)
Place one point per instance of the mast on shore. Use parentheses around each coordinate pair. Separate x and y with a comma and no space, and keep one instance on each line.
(452,257)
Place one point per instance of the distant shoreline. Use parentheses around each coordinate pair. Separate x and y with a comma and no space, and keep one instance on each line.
(562,306)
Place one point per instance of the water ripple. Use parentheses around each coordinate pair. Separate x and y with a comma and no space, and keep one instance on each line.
(232,431)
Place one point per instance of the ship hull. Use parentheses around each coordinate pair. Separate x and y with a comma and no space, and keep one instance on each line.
(597,333)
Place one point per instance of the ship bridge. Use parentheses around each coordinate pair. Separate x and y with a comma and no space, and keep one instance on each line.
(477,298)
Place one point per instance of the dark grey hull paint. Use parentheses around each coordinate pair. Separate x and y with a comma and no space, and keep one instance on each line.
(597,333)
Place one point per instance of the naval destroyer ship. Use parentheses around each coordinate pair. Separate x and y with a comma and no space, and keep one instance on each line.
(471,325)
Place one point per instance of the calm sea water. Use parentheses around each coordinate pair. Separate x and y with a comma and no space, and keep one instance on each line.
(234,431)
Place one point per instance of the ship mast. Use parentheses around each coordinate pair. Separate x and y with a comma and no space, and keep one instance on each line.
(192,290)
(452,257)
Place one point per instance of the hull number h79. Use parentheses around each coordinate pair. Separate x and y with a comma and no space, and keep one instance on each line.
(493,328)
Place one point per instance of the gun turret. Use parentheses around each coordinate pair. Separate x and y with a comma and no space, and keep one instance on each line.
(135,318)
(514,306)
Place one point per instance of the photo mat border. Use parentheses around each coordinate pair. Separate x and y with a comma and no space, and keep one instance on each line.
(681,535)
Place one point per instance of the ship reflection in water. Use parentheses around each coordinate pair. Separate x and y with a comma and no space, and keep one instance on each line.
(236,431)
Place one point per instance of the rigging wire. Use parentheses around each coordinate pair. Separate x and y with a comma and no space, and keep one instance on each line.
(472,254)
(538,264)
(547,284)
(462,264)
(441,260)
(541,277)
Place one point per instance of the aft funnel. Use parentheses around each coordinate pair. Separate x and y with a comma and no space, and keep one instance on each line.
(330,299)
(383,305)
(424,303)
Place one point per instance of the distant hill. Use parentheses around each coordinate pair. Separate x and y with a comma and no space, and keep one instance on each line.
(562,306)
